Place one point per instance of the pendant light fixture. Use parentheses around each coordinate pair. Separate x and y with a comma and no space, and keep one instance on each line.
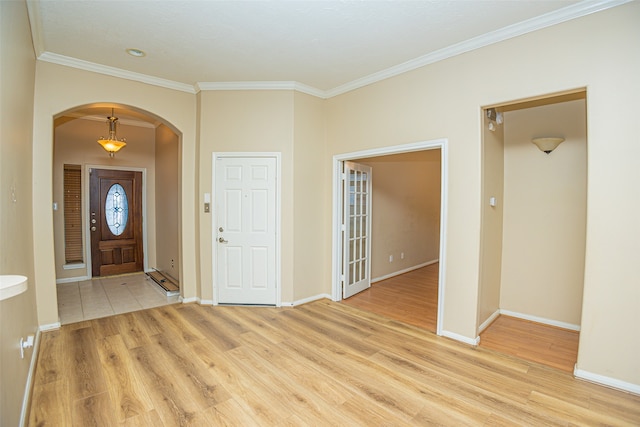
(112,144)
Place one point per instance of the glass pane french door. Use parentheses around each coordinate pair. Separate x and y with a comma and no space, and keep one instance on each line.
(357,228)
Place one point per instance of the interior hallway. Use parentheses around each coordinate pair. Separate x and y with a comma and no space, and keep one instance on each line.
(107,296)
(413,298)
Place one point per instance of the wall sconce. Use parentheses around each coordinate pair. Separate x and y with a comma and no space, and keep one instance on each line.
(547,144)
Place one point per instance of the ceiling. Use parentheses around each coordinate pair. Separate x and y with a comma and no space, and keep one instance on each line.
(321,47)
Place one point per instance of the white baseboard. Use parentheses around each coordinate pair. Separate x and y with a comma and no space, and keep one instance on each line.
(406,270)
(72,279)
(537,319)
(26,399)
(461,338)
(49,327)
(204,301)
(188,300)
(305,300)
(487,322)
(606,381)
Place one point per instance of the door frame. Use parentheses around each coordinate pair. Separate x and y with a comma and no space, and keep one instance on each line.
(87,213)
(337,255)
(214,216)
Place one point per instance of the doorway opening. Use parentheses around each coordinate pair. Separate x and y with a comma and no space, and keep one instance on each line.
(533,235)
(385,253)
(152,155)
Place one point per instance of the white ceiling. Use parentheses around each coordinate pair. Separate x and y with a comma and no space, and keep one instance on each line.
(321,47)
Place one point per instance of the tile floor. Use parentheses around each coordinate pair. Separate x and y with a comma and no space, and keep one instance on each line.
(106,296)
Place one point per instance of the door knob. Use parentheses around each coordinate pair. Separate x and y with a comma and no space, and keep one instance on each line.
(221,240)
(93,228)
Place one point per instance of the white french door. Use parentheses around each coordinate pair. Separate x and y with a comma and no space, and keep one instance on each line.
(245,230)
(357,229)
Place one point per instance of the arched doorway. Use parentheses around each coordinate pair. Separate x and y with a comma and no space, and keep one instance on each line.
(152,152)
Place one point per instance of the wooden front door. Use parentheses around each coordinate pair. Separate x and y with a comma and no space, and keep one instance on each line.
(115,222)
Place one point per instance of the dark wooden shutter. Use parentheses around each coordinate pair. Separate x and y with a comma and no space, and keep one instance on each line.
(73,252)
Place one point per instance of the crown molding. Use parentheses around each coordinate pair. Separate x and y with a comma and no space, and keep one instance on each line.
(552,18)
(574,11)
(67,61)
(257,85)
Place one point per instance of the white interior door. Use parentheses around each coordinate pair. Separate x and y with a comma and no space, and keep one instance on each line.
(357,229)
(245,230)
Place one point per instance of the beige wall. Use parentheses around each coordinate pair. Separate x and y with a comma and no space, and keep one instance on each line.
(545,213)
(18,316)
(75,143)
(492,220)
(59,89)
(444,100)
(167,167)
(310,278)
(246,121)
(405,211)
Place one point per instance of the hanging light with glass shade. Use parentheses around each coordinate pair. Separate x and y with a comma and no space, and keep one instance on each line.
(112,144)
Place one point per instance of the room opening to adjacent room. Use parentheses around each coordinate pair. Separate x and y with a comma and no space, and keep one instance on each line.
(533,238)
(116,209)
(391,233)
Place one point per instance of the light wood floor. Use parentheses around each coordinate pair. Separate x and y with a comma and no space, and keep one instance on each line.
(413,298)
(320,364)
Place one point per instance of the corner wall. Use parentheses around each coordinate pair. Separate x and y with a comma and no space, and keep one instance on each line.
(18,315)
(167,172)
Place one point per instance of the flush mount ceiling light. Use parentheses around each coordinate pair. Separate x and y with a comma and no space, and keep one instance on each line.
(112,144)
(136,52)
(547,144)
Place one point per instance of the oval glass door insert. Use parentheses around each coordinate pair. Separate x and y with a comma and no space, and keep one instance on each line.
(116,209)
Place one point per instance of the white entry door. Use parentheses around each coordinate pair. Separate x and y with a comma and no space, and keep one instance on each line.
(357,229)
(245,230)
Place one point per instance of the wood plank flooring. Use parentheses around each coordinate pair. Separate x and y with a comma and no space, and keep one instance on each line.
(413,298)
(320,364)
(533,341)
(410,297)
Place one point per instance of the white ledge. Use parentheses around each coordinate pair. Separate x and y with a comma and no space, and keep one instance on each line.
(12,285)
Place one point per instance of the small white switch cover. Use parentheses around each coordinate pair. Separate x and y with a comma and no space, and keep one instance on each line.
(492,201)
(55,206)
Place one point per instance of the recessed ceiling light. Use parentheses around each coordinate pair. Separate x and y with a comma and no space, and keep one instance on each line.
(136,52)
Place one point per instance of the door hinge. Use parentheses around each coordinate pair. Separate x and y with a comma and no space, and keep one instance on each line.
(343,176)
(343,227)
